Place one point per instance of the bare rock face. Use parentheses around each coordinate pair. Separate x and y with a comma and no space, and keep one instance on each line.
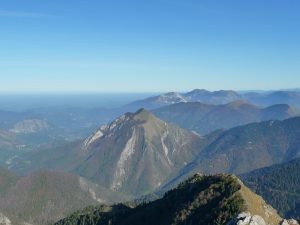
(246,218)
(4,220)
(289,222)
(136,153)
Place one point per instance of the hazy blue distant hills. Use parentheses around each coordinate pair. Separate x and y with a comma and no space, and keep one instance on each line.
(212,97)
(13,143)
(279,185)
(45,128)
(204,118)
(277,97)
(9,118)
(214,200)
(8,140)
(69,123)
(27,129)
(197,95)
(27,135)
(156,101)
(221,97)
(76,122)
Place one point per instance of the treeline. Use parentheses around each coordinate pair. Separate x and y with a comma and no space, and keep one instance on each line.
(279,185)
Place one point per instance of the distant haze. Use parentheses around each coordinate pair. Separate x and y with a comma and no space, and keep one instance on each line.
(30,101)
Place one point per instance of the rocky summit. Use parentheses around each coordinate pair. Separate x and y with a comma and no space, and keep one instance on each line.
(136,153)
(245,218)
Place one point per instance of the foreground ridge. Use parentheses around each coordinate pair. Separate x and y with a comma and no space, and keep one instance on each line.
(213,200)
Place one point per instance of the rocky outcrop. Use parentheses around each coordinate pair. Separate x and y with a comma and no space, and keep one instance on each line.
(245,218)
(4,220)
(289,222)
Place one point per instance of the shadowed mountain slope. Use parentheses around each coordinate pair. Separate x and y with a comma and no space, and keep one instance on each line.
(137,153)
(246,148)
(45,197)
(279,185)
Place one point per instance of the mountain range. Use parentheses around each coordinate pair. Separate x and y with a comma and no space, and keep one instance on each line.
(275,97)
(139,153)
(221,97)
(204,118)
(134,154)
(246,148)
(197,95)
(147,153)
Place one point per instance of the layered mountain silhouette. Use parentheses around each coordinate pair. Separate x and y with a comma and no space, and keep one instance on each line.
(150,153)
(246,148)
(212,97)
(219,199)
(276,97)
(138,153)
(221,97)
(204,118)
(197,95)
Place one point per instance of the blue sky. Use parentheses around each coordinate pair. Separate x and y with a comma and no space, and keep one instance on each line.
(148,46)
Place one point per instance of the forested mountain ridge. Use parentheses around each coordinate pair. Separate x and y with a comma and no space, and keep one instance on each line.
(279,185)
(214,200)
(205,118)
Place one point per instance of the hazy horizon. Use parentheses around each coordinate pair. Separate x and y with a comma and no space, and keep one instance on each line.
(28,101)
(146,92)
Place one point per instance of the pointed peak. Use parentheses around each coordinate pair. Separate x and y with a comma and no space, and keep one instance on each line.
(142,114)
(141,110)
